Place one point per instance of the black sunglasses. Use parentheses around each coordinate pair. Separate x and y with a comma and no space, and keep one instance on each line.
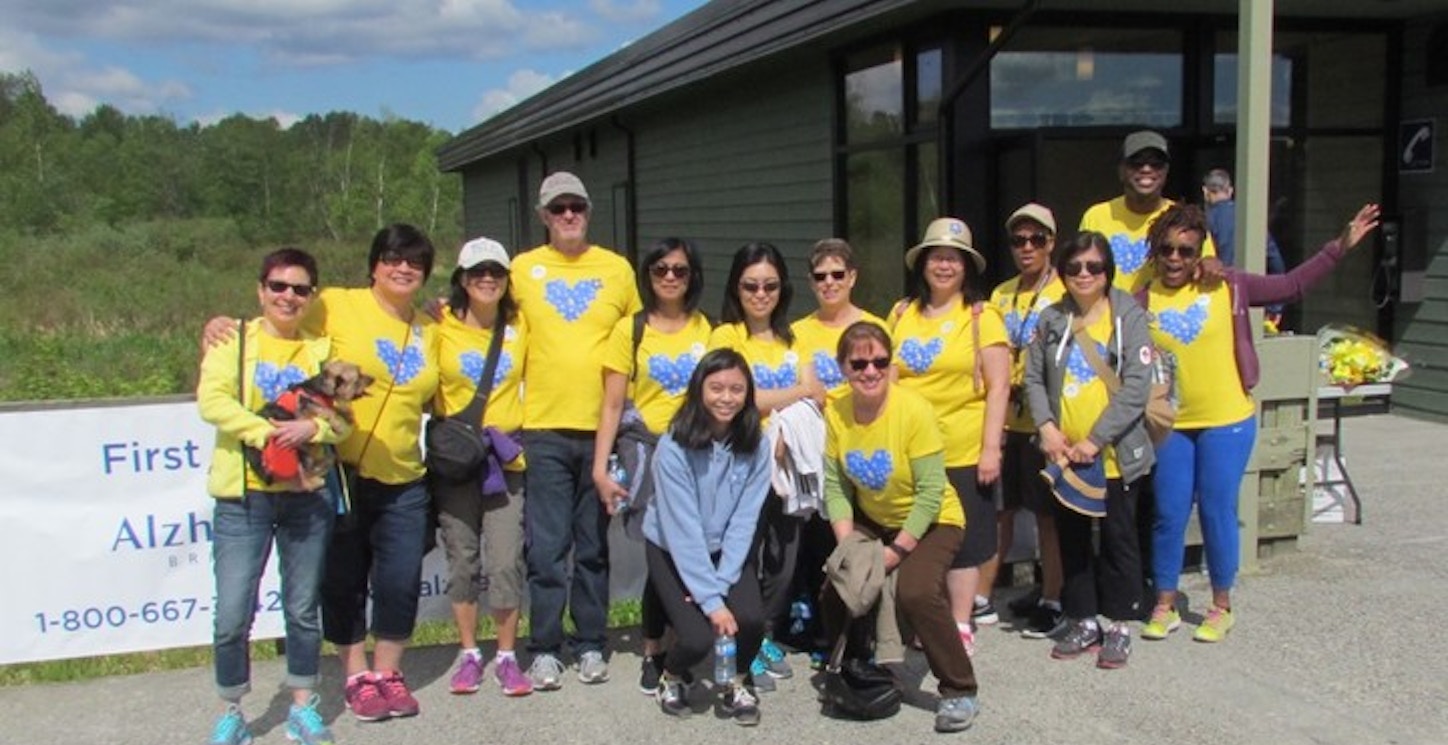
(277,287)
(577,208)
(1186,252)
(837,275)
(1136,164)
(859,364)
(489,270)
(751,288)
(1037,240)
(396,259)
(680,271)
(1094,268)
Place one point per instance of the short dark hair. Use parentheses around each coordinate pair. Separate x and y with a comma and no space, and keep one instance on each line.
(861,331)
(405,241)
(917,290)
(1186,217)
(289,256)
(838,248)
(748,255)
(1083,242)
(458,301)
(656,253)
(690,425)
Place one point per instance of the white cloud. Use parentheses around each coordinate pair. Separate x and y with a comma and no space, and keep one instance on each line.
(638,11)
(521,84)
(285,119)
(75,86)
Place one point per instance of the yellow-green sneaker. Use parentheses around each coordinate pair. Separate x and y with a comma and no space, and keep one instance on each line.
(1215,626)
(1164,620)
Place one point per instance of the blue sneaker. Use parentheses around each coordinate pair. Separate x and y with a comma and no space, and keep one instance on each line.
(305,725)
(231,728)
(759,675)
(774,659)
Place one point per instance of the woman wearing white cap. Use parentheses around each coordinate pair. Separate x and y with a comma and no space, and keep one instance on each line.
(952,349)
(486,511)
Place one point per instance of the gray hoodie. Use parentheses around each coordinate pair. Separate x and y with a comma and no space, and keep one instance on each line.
(1122,425)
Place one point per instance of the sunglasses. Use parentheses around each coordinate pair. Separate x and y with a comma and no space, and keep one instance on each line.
(577,208)
(278,287)
(837,275)
(1037,240)
(486,271)
(394,259)
(879,363)
(1136,164)
(1167,249)
(753,288)
(680,271)
(1093,268)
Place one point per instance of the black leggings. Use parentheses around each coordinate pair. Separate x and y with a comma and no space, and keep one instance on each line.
(1108,582)
(693,634)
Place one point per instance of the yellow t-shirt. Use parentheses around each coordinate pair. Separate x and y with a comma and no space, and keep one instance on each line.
(462,353)
(1197,328)
(773,363)
(398,355)
(571,304)
(1084,395)
(936,357)
(1126,230)
(667,362)
(280,364)
(1021,309)
(876,457)
(817,344)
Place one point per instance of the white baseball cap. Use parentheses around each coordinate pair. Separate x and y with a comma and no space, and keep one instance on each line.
(478,250)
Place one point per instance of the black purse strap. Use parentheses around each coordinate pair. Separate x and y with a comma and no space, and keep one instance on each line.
(640,320)
(473,412)
(241,387)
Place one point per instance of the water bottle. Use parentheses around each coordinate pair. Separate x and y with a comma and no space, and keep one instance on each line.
(724,654)
(619,474)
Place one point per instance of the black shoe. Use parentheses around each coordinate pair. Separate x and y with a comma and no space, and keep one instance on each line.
(1023,605)
(742,705)
(671,698)
(1044,622)
(653,667)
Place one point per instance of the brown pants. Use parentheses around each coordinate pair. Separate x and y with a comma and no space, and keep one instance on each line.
(924,603)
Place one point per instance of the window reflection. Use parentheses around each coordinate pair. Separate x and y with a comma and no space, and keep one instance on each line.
(874,96)
(876,200)
(1056,77)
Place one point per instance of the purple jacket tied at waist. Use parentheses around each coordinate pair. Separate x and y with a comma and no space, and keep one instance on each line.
(502,448)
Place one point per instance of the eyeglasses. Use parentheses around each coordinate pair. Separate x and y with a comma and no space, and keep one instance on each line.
(1037,240)
(577,208)
(754,288)
(837,275)
(879,363)
(1136,164)
(278,287)
(489,270)
(1093,268)
(1185,252)
(680,271)
(396,259)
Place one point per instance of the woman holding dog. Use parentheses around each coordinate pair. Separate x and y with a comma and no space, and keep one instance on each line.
(1209,331)
(885,481)
(482,528)
(239,377)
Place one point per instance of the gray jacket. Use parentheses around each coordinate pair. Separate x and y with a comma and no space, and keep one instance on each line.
(1123,424)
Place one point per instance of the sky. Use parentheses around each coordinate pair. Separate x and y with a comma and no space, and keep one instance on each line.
(449,63)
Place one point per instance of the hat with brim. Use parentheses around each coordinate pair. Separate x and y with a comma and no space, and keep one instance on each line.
(946,231)
(479,250)
(1079,487)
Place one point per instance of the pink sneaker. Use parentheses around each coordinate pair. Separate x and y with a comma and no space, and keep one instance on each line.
(365,699)
(400,702)
(469,674)
(511,678)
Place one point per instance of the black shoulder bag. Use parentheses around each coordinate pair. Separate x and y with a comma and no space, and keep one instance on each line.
(456,447)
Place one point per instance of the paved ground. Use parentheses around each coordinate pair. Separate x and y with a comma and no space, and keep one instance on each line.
(1337,643)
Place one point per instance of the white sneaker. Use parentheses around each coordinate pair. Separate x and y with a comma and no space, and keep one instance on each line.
(592,668)
(546,672)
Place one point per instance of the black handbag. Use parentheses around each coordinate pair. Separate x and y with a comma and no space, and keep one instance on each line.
(859,689)
(457,449)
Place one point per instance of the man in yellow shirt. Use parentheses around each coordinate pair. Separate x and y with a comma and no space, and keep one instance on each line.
(571,294)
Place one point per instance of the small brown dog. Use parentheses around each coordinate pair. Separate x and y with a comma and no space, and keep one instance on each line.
(326,396)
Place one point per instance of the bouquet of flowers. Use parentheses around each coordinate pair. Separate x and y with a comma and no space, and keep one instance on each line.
(1350,356)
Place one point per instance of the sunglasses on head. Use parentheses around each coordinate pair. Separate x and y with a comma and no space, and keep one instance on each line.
(277,287)
(577,208)
(1037,240)
(1093,268)
(752,288)
(837,275)
(396,259)
(680,271)
(859,364)
(489,270)
(1186,252)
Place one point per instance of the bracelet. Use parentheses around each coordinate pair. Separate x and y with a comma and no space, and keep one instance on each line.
(899,550)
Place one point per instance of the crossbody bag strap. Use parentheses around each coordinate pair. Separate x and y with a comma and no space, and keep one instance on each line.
(978,374)
(473,412)
(640,319)
(1093,358)
(241,387)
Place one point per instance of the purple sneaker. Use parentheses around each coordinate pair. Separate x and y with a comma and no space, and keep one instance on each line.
(469,675)
(511,678)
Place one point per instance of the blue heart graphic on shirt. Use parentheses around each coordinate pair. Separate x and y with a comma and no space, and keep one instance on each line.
(1021,327)
(1078,368)
(919,357)
(827,370)
(872,471)
(472,364)
(403,364)
(1184,326)
(1130,255)
(672,374)
(272,380)
(572,302)
(770,378)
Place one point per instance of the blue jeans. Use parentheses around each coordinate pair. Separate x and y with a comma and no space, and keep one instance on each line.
(562,513)
(242,535)
(1208,463)
(379,545)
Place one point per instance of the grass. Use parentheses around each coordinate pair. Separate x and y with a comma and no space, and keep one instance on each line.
(623,613)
